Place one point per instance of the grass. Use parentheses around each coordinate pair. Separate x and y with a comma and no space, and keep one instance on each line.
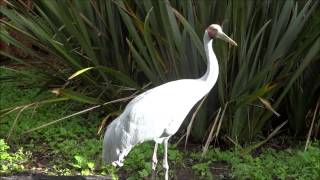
(72,147)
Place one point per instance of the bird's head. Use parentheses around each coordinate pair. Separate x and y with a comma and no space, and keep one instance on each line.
(215,31)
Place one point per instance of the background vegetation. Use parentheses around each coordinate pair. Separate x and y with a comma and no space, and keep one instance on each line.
(88,53)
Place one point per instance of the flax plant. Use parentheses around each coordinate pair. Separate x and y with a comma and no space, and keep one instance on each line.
(108,48)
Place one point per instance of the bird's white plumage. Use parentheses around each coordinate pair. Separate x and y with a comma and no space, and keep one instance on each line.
(158,113)
(152,115)
(162,109)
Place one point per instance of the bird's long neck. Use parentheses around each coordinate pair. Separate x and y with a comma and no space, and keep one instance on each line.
(211,75)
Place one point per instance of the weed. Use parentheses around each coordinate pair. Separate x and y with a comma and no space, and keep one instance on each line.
(202,169)
(12,162)
(290,163)
(87,167)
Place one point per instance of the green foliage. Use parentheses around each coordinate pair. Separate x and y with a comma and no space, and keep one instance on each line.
(202,169)
(269,164)
(12,162)
(87,167)
(66,35)
(110,47)
(265,58)
(139,161)
(281,164)
(74,143)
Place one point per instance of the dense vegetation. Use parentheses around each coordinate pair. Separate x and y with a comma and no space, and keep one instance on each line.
(76,56)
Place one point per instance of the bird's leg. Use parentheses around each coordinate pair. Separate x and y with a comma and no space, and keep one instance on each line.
(154,157)
(165,158)
(154,161)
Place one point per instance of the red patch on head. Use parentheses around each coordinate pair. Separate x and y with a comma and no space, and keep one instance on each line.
(211,32)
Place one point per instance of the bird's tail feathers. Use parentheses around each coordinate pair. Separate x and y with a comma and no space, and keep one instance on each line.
(114,148)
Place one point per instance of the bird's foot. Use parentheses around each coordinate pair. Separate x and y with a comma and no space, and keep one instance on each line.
(166,170)
(154,174)
(166,175)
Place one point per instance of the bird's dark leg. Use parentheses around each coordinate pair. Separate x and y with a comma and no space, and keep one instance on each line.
(165,158)
(154,160)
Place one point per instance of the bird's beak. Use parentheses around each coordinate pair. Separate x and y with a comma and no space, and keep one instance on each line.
(226,38)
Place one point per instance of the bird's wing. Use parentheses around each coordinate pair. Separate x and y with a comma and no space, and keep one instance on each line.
(150,113)
(188,89)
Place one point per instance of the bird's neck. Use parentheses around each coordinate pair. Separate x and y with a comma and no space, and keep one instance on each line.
(212,72)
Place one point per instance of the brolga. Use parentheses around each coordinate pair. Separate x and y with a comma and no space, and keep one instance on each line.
(158,113)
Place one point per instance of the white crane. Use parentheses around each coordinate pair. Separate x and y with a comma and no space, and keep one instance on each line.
(158,113)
